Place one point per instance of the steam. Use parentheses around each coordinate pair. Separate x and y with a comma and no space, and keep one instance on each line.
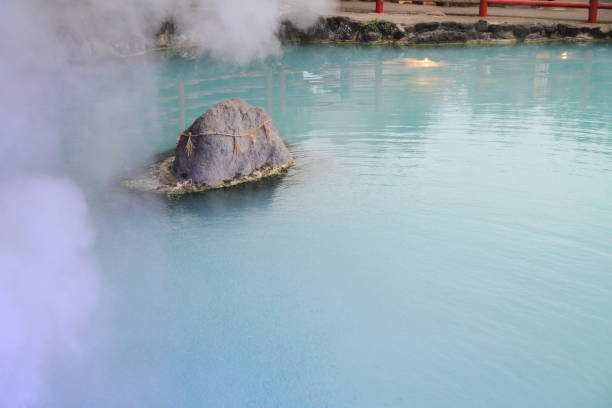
(232,30)
(47,285)
(243,30)
(50,53)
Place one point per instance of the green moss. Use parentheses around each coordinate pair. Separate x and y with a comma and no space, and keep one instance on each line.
(384,27)
(366,23)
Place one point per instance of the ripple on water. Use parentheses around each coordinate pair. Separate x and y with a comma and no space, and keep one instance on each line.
(443,239)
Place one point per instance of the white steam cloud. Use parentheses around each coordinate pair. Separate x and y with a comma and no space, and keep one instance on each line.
(234,30)
(242,30)
(50,52)
(47,283)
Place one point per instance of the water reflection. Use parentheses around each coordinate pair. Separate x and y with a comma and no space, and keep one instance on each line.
(239,200)
(534,81)
(400,91)
(419,63)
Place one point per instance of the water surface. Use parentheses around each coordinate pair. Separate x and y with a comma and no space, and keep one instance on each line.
(443,240)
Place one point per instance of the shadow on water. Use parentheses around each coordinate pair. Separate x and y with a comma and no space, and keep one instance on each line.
(233,200)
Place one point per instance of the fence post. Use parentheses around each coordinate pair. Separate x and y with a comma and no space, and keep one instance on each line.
(380,7)
(593,6)
(484,5)
(181,99)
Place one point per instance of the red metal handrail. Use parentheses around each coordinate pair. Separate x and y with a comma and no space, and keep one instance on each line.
(592,5)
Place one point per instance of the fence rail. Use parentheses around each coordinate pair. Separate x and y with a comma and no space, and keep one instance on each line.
(592,5)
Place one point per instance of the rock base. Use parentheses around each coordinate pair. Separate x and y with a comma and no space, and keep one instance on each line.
(159,178)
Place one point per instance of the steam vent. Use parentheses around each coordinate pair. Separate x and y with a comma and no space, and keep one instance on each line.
(232,141)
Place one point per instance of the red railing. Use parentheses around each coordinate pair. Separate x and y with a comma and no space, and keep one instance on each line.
(592,5)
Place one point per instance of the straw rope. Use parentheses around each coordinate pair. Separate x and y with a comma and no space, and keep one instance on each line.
(189,146)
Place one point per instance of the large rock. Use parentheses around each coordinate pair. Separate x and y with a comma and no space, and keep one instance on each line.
(231,141)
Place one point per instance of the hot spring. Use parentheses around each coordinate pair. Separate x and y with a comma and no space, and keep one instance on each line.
(444,238)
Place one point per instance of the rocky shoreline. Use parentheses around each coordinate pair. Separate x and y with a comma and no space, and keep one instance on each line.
(343,29)
(340,29)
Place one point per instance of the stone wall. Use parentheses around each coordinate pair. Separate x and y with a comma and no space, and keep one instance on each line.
(342,29)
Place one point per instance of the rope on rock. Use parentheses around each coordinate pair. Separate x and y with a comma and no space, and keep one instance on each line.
(189,146)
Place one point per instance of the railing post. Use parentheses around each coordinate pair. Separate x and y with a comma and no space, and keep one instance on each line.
(181,99)
(484,6)
(593,6)
(380,7)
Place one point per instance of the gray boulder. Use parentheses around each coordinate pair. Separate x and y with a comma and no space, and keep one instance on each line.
(231,141)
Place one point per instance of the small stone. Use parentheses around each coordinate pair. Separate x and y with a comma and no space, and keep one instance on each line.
(536,28)
(424,27)
(399,34)
(471,35)
(387,28)
(451,26)
(318,31)
(597,33)
(501,34)
(335,22)
(520,32)
(493,28)
(372,36)
(534,37)
(565,30)
(550,30)
(481,26)
(344,32)
(441,37)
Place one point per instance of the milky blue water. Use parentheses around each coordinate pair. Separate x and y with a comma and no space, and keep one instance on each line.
(444,239)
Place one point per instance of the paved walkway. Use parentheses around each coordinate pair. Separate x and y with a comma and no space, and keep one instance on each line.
(412,14)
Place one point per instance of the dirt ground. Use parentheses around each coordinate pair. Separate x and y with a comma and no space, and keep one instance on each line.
(412,14)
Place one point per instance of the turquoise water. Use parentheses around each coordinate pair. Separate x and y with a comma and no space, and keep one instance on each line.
(443,240)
